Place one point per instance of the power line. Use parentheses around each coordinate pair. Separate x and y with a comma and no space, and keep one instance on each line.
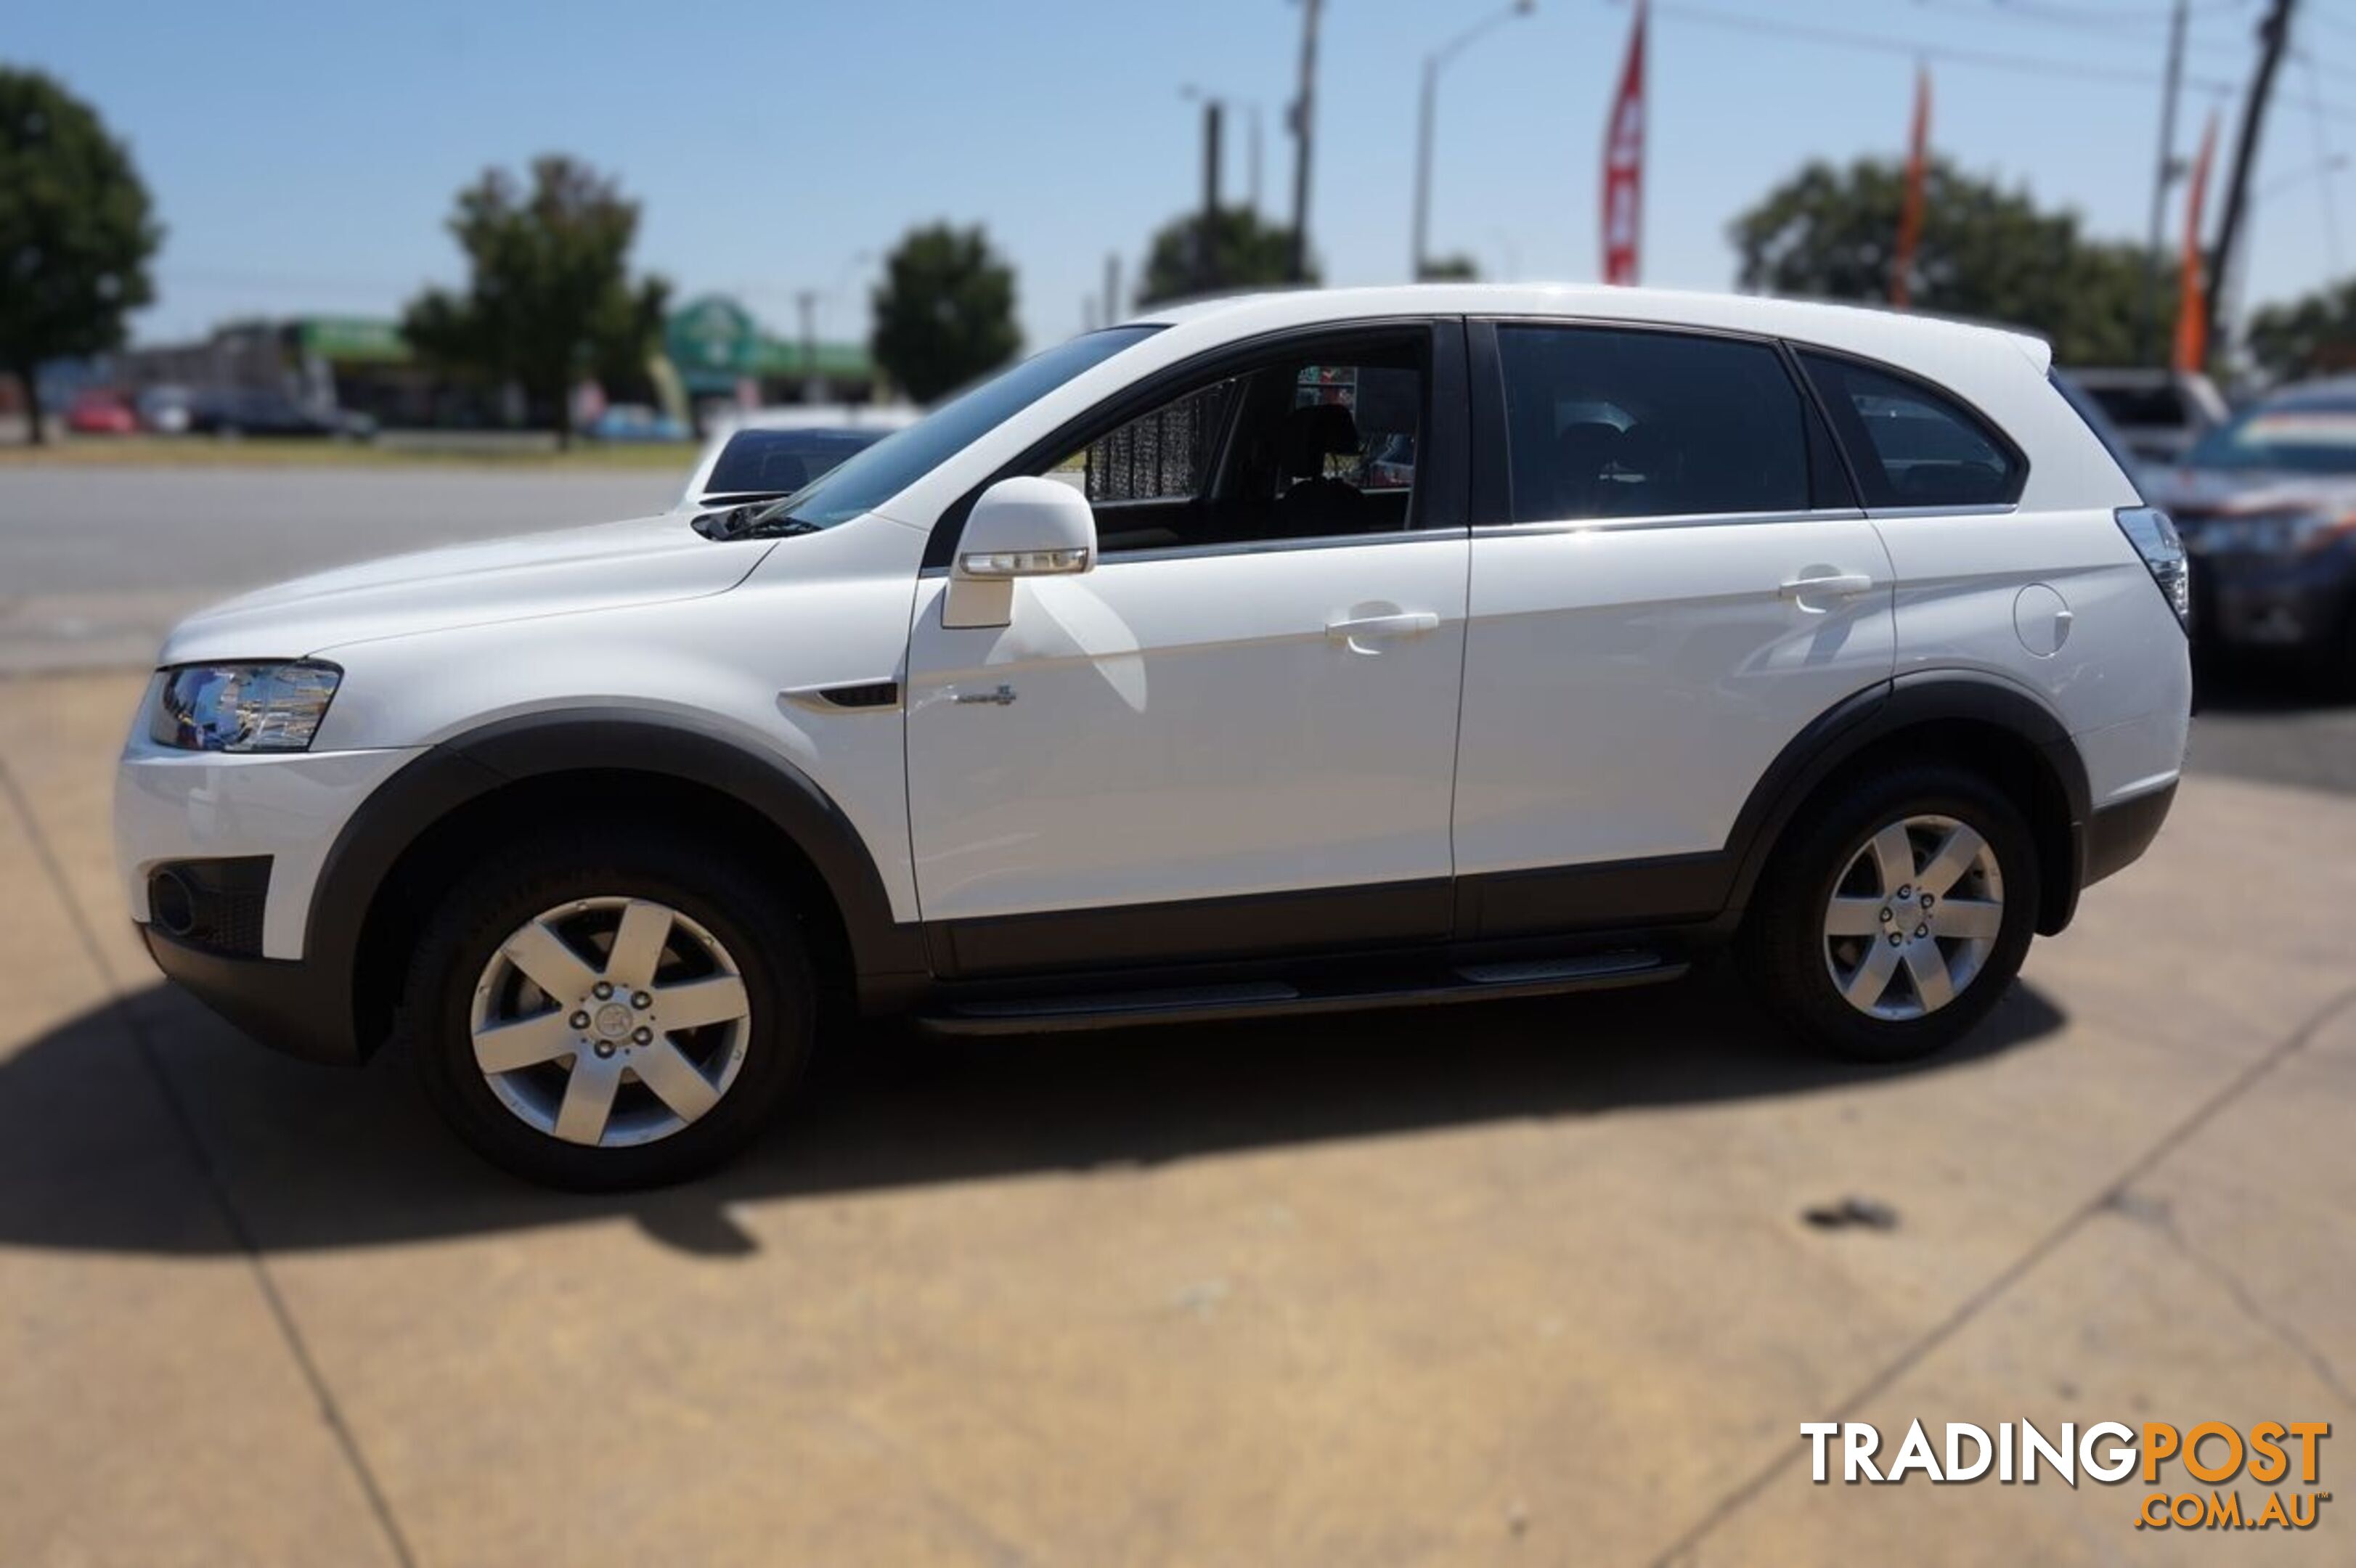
(2080,71)
(1993,59)
(2084,18)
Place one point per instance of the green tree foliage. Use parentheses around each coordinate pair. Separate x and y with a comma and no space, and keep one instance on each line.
(1986,253)
(1251,253)
(944,312)
(76,232)
(2314,334)
(1456,268)
(550,299)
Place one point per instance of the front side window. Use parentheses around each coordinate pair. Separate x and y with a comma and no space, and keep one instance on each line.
(1913,446)
(1604,423)
(1316,441)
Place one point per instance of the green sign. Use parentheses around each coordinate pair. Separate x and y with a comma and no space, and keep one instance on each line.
(712,334)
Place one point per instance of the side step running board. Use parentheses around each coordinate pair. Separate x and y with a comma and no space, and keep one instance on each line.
(1275,999)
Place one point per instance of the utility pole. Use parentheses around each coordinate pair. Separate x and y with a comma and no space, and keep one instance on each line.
(1112,312)
(2148,324)
(2274,34)
(813,384)
(1304,135)
(1206,238)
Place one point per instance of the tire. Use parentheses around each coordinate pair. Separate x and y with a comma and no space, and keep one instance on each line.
(1791,953)
(726,947)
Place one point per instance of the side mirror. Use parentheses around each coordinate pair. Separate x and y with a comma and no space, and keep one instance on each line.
(1019,527)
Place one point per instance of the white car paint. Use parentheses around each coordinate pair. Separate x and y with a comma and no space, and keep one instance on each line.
(1189,727)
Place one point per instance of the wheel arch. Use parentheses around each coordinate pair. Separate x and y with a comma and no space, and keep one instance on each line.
(1978,722)
(423,826)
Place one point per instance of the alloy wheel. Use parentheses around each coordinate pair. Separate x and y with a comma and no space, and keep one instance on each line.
(610,1021)
(1914,917)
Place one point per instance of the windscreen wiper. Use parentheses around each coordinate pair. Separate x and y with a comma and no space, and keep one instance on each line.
(749,522)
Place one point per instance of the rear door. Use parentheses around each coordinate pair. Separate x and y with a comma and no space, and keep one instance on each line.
(1670,579)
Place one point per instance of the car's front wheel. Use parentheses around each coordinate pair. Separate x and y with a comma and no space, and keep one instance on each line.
(616,1019)
(1890,921)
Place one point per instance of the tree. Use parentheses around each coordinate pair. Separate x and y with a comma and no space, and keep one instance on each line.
(1250,252)
(944,312)
(2314,334)
(550,298)
(1986,253)
(76,232)
(1456,268)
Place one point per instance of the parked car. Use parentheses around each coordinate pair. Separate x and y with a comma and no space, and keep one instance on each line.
(2161,413)
(1834,636)
(241,412)
(2266,503)
(163,409)
(635,421)
(750,462)
(98,412)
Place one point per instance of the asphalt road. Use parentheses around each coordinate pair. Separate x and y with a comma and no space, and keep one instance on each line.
(96,564)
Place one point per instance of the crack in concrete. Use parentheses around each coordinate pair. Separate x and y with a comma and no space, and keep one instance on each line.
(1679,1552)
(208,1169)
(2289,1336)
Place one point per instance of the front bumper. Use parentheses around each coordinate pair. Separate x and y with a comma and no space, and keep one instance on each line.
(2293,603)
(286,1005)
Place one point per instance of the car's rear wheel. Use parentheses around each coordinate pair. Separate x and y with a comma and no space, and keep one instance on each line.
(621,1019)
(1890,921)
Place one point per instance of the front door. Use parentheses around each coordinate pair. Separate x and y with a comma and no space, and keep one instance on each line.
(1239,731)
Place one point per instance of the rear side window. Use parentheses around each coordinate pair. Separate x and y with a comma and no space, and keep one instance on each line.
(1912,446)
(1602,423)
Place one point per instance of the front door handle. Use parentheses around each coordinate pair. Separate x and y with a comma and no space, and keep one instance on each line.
(1838,585)
(1410,624)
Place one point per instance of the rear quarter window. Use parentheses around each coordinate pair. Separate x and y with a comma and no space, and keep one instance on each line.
(1910,444)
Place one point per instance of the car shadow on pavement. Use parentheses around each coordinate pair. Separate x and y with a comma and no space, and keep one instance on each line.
(100,1115)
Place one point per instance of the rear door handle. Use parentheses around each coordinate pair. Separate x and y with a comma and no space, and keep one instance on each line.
(1839,585)
(1410,624)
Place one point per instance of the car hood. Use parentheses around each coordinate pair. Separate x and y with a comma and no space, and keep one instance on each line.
(561,573)
(2204,492)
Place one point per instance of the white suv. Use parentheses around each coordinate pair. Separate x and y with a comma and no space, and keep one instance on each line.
(1272,655)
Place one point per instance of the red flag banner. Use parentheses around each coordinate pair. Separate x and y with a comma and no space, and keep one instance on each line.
(1910,217)
(2193,295)
(1624,164)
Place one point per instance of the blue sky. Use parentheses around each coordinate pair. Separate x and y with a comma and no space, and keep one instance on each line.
(304,155)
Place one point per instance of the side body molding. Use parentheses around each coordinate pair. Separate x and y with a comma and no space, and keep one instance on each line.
(885,956)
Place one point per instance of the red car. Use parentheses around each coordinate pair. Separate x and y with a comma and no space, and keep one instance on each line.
(102,413)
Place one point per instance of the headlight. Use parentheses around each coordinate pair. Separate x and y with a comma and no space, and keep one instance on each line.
(243,706)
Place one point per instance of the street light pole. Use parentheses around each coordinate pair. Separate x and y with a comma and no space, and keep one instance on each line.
(1420,257)
(1304,136)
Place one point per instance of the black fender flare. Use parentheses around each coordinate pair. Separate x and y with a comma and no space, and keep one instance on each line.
(1846,730)
(470,765)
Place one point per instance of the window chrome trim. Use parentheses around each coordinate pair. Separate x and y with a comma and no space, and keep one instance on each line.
(1105,557)
(1976,509)
(1670,520)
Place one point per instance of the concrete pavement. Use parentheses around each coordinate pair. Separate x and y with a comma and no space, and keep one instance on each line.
(1527,1281)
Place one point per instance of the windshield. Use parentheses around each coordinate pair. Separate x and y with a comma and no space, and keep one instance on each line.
(873,476)
(2293,438)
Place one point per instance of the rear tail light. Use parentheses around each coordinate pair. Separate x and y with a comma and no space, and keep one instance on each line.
(2148,529)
